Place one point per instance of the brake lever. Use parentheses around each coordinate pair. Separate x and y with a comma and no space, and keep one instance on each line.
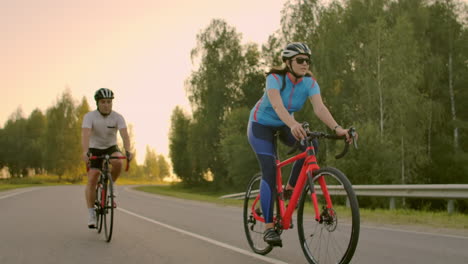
(352,133)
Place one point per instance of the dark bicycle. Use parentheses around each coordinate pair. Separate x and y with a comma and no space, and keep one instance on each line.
(104,204)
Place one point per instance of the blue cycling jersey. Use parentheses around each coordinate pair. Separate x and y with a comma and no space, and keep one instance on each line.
(294,96)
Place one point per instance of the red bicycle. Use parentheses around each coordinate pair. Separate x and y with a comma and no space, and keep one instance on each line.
(104,204)
(327,208)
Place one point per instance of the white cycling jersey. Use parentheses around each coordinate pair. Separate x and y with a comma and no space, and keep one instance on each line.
(103,128)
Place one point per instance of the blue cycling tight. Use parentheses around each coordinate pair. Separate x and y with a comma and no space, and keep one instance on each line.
(261,138)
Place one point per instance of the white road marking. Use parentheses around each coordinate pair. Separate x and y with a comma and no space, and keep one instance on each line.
(413,232)
(206,239)
(15,193)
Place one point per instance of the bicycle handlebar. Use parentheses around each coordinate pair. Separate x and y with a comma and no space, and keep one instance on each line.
(106,156)
(315,134)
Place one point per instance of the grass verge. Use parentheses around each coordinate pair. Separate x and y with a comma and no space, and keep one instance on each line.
(47,180)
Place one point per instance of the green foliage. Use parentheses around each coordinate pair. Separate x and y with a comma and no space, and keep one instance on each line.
(271,51)
(151,166)
(155,167)
(213,89)
(62,145)
(179,147)
(49,142)
(396,70)
(13,143)
(240,160)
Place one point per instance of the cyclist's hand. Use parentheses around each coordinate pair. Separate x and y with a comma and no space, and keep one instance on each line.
(344,132)
(129,155)
(298,131)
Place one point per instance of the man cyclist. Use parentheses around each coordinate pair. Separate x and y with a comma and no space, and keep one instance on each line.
(99,137)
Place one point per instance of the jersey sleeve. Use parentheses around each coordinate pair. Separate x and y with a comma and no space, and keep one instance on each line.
(273,81)
(314,88)
(87,121)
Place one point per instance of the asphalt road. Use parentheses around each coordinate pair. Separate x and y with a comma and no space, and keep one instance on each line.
(49,225)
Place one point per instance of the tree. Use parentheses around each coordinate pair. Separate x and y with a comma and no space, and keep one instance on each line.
(240,160)
(252,78)
(179,152)
(213,88)
(35,131)
(271,51)
(14,144)
(151,165)
(299,19)
(446,75)
(62,138)
(163,167)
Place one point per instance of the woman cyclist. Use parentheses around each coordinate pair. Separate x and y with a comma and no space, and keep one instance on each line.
(287,89)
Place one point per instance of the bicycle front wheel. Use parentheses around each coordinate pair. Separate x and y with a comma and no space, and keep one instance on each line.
(98,207)
(334,236)
(253,226)
(109,209)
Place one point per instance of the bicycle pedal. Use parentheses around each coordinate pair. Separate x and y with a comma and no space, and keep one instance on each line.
(277,244)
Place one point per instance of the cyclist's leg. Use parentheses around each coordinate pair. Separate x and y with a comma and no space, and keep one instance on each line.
(288,139)
(93,175)
(267,187)
(261,139)
(116,163)
(90,191)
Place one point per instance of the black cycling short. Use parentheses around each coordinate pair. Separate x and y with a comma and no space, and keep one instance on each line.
(97,163)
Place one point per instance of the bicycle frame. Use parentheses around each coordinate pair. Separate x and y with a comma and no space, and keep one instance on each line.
(310,165)
(104,174)
(103,178)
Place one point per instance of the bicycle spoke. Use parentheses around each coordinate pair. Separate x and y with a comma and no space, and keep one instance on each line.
(254,228)
(333,239)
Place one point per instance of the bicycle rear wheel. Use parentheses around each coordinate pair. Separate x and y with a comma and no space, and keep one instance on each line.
(253,227)
(334,238)
(109,209)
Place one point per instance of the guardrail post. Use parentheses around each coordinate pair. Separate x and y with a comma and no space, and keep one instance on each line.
(392,203)
(348,205)
(451,206)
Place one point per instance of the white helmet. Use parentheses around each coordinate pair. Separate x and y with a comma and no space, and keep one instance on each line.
(295,48)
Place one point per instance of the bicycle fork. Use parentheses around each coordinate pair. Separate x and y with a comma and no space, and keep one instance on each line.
(312,166)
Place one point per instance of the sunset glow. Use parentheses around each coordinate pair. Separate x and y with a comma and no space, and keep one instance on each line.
(139,49)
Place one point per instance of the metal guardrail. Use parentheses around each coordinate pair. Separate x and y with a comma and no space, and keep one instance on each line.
(450,192)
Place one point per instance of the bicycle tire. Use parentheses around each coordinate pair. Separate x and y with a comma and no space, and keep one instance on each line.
(253,228)
(334,238)
(98,208)
(109,209)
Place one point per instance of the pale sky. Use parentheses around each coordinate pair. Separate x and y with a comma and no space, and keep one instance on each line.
(140,49)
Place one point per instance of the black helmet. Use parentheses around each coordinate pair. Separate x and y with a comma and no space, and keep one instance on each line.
(103,93)
(295,48)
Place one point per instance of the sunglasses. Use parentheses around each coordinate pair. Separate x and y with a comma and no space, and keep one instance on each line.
(302,60)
